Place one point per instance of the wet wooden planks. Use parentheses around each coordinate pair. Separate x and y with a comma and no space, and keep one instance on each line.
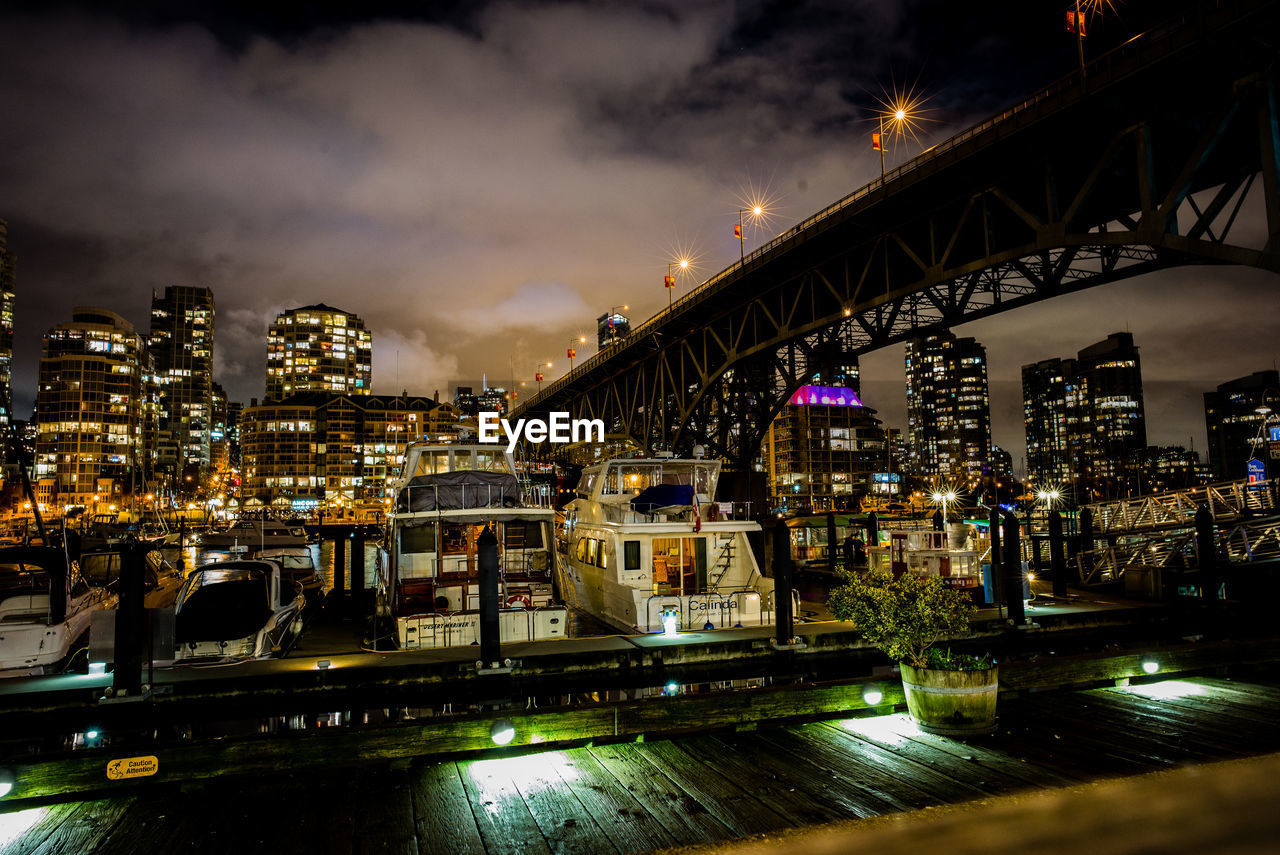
(639,796)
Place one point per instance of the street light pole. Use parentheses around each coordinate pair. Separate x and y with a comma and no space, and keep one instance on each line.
(882,146)
(1080,39)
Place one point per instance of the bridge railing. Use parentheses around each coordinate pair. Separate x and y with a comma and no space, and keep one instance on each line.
(1226,501)
(1104,67)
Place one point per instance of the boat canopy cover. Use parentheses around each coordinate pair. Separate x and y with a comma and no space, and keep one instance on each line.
(223,602)
(651,499)
(457,490)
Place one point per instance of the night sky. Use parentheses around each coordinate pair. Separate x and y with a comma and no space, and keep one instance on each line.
(479,181)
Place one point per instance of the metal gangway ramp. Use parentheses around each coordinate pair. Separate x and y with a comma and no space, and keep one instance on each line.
(1228,502)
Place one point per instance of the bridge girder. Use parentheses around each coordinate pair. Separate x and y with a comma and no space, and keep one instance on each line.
(1083,189)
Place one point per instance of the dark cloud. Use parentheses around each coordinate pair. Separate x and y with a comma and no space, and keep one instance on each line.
(479,181)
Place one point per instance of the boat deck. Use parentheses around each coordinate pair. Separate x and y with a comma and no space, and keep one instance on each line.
(641,796)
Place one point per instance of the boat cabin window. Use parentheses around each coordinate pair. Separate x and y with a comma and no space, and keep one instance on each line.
(586,482)
(418,538)
(490,461)
(631,554)
(432,463)
(519,534)
(462,461)
(23,580)
(581,550)
(102,569)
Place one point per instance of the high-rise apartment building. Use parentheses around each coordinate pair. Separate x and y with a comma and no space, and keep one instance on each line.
(181,344)
(949,410)
(1085,420)
(334,451)
(96,405)
(8,290)
(318,349)
(612,327)
(1234,416)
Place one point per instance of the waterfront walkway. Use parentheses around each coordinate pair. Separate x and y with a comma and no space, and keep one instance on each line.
(642,796)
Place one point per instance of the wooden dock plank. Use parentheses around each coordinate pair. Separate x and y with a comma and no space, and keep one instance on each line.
(760,778)
(956,760)
(1092,727)
(1144,717)
(502,818)
(442,815)
(384,815)
(32,826)
(686,819)
(720,795)
(623,820)
(826,769)
(568,827)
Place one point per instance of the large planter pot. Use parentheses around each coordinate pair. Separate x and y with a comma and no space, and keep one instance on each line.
(952,703)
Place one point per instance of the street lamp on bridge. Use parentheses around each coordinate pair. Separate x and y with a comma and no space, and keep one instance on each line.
(902,113)
(572,351)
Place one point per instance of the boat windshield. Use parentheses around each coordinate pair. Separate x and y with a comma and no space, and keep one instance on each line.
(22,580)
(630,478)
(436,461)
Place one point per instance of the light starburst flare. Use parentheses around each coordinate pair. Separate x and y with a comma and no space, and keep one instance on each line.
(903,113)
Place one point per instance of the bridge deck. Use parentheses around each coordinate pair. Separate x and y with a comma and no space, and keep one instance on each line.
(637,797)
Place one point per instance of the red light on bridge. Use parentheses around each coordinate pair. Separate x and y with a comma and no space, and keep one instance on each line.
(1075,24)
(737,230)
(537,378)
(875,141)
(571,353)
(669,281)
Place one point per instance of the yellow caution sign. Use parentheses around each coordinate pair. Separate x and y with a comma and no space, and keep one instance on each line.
(132,767)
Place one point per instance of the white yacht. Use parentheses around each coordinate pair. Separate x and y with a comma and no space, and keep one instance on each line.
(645,541)
(230,611)
(445,498)
(928,553)
(45,605)
(258,532)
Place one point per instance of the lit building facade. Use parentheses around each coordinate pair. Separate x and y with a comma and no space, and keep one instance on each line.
(1234,416)
(949,410)
(334,452)
(181,344)
(96,405)
(1085,420)
(611,327)
(318,349)
(1173,468)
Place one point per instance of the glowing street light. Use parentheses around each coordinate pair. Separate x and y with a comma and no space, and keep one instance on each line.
(942,496)
(537,374)
(683,263)
(1076,22)
(572,351)
(902,114)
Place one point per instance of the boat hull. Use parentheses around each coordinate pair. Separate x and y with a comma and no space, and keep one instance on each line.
(461,629)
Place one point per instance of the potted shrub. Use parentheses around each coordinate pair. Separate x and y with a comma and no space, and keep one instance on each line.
(948,694)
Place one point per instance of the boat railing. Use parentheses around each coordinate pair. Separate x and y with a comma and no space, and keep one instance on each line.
(706,512)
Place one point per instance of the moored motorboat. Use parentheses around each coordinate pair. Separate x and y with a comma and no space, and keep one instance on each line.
(646,544)
(259,532)
(429,593)
(235,610)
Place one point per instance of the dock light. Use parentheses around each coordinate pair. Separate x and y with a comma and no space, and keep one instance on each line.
(1150,666)
(96,668)
(92,734)
(708,626)
(671,689)
(502,732)
(872,694)
(670,622)
(322,665)
(7,780)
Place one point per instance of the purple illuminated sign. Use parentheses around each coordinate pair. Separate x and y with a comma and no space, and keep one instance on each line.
(830,396)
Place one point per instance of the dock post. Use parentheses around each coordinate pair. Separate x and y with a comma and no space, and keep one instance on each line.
(1084,538)
(831,542)
(997,577)
(1057,554)
(1207,555)
(782,586)
(937,521)
(490,632)
(1013,570)
(873,530)
(339,569)
(357,572)
(182,544)
(131,617)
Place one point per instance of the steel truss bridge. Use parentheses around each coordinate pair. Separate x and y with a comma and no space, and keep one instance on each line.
(1145,163)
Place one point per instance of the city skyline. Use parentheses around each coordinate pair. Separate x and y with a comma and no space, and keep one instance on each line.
(258,170)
